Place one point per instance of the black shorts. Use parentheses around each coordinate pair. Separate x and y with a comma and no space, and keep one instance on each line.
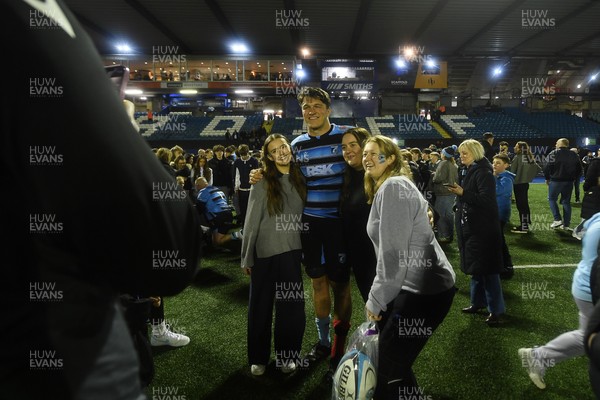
(323,250)
(222,222)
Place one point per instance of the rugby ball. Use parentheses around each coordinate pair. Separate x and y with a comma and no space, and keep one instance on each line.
(355,377)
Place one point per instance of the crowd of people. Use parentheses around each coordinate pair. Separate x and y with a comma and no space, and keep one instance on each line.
(339,172)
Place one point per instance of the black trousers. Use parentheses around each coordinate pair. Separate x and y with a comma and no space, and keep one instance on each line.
(522,201)
(276,281)
(505,253)
(405,328)
(243,197)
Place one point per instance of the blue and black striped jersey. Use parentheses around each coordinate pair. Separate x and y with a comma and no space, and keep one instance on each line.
(212,201)
(321,161)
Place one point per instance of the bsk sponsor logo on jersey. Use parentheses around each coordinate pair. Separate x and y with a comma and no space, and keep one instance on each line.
(320,170)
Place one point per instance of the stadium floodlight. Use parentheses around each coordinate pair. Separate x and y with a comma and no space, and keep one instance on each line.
(238,47)
(497,71)
(244,91)
(400,63)
(305,52)
(430,63)
(133,91)
(579,86)
(300,74)
(593,77)
(123,48)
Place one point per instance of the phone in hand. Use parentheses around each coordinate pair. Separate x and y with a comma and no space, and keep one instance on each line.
(119,76)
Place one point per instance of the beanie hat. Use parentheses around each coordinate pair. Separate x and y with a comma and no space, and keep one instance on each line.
(449,151)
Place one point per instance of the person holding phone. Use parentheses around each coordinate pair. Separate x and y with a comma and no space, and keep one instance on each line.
(478,231)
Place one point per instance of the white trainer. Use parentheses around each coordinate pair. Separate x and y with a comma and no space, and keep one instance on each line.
(289,367)
(533,367)
(257,369)
(556,224)
(164,337)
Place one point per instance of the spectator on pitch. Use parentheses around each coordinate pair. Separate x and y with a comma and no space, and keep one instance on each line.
(504,188)
(218,214)
(414,285)
(324,254)
(562,169)
(221,169)
(355,212)
(435,159)
(165,156)
(504,149)
(424,173)
(201,169)
(478,231)
(445,174)
(242,167)
(525,168)
(66,257)
(271,255)
(537,360)
(176,151)
(577,181)
(487,142)
(590,188)
(590,339)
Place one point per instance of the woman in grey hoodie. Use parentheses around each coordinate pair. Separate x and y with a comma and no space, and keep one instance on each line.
(414,286)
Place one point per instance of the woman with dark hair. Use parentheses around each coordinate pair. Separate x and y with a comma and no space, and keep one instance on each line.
(525,168)
(201,169)
(271,255)
(478,230)
(355,212)
(414,285)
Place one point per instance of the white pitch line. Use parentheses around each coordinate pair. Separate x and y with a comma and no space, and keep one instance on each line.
(545,266)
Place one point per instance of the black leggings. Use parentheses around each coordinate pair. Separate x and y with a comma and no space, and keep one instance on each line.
(522,200)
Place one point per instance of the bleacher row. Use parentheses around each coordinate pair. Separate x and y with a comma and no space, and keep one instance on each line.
(508,123)
(514,123)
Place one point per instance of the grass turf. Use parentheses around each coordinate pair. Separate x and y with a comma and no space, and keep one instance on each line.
(464,359)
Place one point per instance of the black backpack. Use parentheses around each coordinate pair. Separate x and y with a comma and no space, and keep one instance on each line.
(137,314)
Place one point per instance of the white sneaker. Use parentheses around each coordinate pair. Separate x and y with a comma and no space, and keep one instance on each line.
(168,338)
(289,367)
(257,369)
(556,224)
(533,367)
(237,235)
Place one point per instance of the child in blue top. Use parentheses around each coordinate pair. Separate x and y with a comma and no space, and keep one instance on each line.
(504,188)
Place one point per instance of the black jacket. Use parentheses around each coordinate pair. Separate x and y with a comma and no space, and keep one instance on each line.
(563,166)
(477,222)
(592,174)
(60,114)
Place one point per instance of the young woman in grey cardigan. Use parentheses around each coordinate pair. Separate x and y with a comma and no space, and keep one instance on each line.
(271,255)
(525,168)
(414,286)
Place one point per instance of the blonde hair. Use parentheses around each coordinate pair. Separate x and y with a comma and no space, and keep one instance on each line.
(399,167)
(473,147)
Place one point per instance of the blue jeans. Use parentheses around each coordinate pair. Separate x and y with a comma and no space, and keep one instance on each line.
(443,206)
(486,291)
(564,189)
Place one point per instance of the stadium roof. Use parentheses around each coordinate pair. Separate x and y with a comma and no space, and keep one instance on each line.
(525,36)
